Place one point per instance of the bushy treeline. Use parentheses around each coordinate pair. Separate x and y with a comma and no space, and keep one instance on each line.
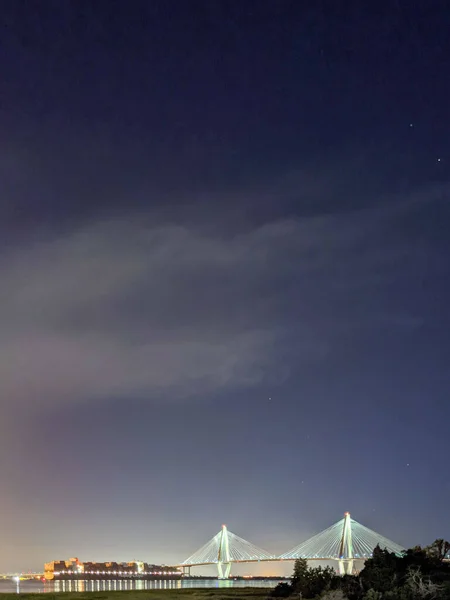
(419,574)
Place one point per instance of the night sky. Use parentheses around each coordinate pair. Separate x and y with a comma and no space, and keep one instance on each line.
(224,269)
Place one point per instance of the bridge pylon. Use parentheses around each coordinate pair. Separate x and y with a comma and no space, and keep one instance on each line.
(346,557)
(223,555)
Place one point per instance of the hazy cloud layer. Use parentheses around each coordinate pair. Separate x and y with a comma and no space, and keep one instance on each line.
(133,307)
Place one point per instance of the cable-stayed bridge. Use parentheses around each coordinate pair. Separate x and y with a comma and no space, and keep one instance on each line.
(345,542)
(226,548)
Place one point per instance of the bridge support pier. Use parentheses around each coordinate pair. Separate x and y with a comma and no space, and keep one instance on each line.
(187,571)
(223,569)
(346,567)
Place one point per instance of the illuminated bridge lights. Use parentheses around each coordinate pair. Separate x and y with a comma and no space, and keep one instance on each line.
(345,541)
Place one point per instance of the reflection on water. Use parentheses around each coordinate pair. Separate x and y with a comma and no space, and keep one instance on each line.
(94,586)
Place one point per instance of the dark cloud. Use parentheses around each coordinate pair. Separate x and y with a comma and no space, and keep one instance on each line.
(136,306)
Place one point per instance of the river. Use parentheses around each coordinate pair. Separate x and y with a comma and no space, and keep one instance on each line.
(95,586)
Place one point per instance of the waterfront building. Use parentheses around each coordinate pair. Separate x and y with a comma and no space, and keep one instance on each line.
(74,569)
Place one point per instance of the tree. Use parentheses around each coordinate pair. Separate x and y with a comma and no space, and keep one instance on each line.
(428,561)
(420,587)
(418,574)
(300,575)
(334,595)
(351,586)
(438,549)
(310,582)
(320,580)
(282,590)
(381,572)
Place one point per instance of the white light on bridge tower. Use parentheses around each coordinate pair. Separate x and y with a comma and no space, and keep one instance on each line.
(223,555)
(346,547)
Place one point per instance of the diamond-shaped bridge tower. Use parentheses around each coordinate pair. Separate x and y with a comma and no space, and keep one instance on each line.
(345,541)
(224,549)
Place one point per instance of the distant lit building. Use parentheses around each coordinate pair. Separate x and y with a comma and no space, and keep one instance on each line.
(74,569)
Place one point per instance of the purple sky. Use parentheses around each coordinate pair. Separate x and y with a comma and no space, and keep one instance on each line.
(224,267)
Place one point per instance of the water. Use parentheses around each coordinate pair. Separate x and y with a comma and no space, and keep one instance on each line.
(25,587)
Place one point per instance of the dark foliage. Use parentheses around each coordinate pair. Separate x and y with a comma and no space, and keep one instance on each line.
(351,586)
(307,582)
(419,574)
(382,572)
(282,590)
(438,549)
(311,582)
(386,571)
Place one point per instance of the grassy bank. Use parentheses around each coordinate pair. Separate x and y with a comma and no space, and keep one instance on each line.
(190,594)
